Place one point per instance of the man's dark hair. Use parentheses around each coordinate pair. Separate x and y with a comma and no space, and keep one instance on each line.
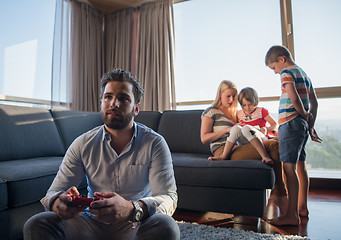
(120,75)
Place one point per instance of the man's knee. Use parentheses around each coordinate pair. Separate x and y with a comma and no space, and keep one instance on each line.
(159,226)
(33,221)
(33,225)
(37,225)
(169,228)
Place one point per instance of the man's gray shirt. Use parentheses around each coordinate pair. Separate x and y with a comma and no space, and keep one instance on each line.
(143,171)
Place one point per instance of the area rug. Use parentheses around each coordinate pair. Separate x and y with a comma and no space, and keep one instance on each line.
(191,231)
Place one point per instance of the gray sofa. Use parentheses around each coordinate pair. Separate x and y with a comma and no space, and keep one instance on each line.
(34,140)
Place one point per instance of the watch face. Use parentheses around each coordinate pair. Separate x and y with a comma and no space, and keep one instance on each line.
(138,216)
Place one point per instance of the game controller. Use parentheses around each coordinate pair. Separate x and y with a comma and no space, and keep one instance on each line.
(79,201)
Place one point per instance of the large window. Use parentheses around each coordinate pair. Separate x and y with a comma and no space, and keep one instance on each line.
(26,29)
(317,37)
(218,40)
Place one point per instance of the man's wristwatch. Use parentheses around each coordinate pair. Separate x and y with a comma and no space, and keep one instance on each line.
(138,213)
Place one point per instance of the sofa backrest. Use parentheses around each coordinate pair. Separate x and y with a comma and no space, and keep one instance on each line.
(149,118)
(181,129)
(27,132)
(72,124)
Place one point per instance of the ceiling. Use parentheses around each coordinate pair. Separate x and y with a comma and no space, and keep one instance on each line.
(109,6)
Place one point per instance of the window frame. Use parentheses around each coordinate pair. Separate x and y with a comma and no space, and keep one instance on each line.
(287,41)
(321,92)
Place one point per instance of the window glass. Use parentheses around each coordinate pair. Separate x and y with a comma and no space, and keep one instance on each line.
(26,48)
(218,39)
(317,38)
(324,160)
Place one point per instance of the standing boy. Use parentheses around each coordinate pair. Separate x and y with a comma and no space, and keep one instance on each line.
(297,115)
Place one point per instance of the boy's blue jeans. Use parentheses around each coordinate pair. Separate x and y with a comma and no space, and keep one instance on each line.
(292,139)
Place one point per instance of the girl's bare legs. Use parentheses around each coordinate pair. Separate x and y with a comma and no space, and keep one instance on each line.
(250,134)
(258,145)
(226,153)
(304,189)
(235,133)
(254,137)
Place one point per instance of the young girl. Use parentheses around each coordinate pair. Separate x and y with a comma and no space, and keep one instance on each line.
(251,127)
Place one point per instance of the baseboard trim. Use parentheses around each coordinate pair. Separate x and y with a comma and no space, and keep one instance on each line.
(325,183)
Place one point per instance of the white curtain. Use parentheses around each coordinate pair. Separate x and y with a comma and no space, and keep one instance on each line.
(156,56)
(121,38)
(77,56)
(87,44)
(86,56)
(141,40)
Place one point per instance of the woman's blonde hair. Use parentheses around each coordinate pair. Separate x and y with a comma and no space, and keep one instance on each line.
(227,84)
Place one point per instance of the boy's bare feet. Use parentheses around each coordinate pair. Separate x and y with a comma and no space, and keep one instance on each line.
(282,203)
(268,161)
(285,220)
(303,212)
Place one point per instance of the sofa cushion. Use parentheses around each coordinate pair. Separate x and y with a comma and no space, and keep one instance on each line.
(28,133)
(197,170)
(3,194)
(72,124)
(28,179)
(181,129)
(149,118)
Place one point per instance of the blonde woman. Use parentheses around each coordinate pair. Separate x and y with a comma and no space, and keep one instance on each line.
(216,124)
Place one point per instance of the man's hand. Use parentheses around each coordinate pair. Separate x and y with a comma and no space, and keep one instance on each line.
(112,209)
(313,135)
(60,205)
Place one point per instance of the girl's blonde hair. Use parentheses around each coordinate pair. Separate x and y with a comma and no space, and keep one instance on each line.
(227,84)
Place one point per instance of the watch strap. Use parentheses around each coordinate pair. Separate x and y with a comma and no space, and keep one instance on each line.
(138,213)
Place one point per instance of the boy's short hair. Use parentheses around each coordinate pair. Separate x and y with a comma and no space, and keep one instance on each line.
(120,75)
(249,94)
(277,51)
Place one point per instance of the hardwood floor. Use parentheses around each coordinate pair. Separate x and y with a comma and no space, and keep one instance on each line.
(324,220)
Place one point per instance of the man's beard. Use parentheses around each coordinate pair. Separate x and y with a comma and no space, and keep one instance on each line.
(120,123)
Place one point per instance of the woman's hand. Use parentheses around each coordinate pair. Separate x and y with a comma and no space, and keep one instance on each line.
(206,134)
